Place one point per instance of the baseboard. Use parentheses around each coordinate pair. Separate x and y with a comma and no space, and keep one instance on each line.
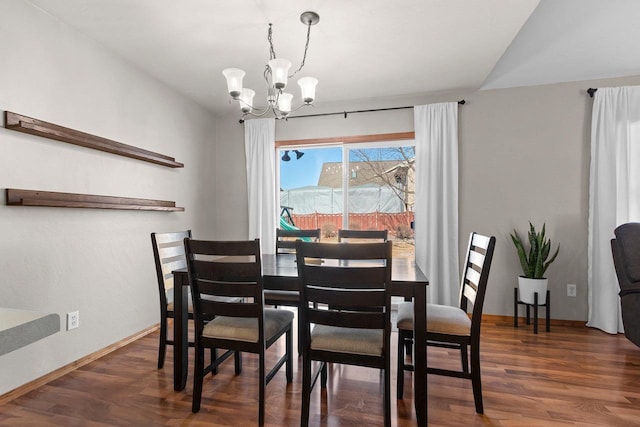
(39,382)
(499,319)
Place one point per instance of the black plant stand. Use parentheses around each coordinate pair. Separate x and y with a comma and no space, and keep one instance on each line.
(535,305)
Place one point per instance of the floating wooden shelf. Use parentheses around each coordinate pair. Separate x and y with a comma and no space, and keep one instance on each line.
(37,127)
(16,197)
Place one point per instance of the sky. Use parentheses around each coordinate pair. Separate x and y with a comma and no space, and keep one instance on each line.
(306,170)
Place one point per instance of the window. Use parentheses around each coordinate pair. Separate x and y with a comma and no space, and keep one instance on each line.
(364,186)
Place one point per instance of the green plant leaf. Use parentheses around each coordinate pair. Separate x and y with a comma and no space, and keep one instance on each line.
(535,261)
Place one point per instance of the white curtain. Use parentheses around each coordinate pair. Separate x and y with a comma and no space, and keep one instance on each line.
(436,206)
(259,144)
(614,195)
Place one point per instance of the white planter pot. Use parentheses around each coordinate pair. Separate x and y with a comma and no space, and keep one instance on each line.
(527,287)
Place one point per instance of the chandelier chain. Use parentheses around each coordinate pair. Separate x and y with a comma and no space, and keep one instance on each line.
(306,47)
(272,52)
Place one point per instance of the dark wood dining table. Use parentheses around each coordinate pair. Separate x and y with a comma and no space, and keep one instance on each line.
(280,272)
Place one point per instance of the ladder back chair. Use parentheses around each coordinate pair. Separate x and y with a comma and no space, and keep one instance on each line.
(285,243)
(234,269)
(347,275)
(168,253)
(451,327)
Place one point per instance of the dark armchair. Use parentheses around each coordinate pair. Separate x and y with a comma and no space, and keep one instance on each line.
(626,258)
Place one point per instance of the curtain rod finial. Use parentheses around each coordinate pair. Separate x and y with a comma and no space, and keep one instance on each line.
(591,91)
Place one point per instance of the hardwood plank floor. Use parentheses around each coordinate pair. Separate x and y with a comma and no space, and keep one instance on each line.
(570,376)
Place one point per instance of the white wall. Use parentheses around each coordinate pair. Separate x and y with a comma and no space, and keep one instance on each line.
(524,155)
(96,261)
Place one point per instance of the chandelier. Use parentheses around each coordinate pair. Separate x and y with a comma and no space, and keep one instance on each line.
(276,73)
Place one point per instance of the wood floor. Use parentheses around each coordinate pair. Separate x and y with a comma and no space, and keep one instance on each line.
(570,376)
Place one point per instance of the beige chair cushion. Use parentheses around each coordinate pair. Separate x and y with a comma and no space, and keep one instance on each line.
(246,328)
(441,319)
(347,340)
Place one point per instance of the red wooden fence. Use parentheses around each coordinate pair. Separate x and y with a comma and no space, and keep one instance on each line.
(367,221)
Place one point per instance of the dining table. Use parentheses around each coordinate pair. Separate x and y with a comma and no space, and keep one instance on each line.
(280,273)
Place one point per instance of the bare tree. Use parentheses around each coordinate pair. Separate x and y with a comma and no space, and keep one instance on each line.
(399,177)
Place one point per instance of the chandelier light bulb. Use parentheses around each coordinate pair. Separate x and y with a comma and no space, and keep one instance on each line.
(234,81)
(284,103)
(308,89)
(246,100)
(279,72)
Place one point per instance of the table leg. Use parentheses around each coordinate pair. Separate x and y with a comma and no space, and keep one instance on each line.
(180,332)
(420,354)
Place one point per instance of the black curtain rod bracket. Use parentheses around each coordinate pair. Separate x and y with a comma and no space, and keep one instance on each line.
(591,91)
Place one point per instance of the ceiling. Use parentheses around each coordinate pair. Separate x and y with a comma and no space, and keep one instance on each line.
(363,49)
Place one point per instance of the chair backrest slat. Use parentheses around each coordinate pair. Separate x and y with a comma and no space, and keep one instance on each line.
(286,239)
(231,309)
(336,297)
(220,270)
(342,318)
(346,277)
(361,235)
(228,289)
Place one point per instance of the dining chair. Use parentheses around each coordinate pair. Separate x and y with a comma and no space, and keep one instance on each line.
(337,276)
(452,327)
(168,253)
(370,235)
(233,269)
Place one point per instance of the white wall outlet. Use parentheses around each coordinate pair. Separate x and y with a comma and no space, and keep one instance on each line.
(73,320)
(571,290)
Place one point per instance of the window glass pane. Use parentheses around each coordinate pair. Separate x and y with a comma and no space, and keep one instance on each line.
(381,190)
(311,193)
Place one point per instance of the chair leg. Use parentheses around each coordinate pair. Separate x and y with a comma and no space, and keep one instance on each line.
(162,348)
(289,350)
(261,391)
(237,358)
(387,393)
(214,357)
(323,375)
(400,367)
(198,368)
(306,391)
(464,356)
(475,378)
(408,344)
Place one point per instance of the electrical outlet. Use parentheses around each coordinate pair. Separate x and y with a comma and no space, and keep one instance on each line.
(571,290)
(73,320)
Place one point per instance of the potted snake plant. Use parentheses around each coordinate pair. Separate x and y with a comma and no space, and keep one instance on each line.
(534,262)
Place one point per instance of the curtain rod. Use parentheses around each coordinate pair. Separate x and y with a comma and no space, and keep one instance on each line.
(345,113)
(591,91)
